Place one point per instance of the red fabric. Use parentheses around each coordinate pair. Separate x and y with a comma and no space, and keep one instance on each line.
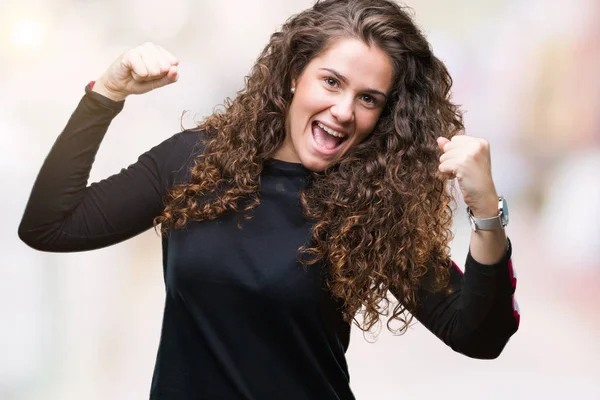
(513,275)
(92,84)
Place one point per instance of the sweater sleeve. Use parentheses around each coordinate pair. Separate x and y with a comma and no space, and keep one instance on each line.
(64,214)
(477,313)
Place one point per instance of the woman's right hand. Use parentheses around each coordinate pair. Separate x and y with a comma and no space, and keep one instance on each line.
(137,71)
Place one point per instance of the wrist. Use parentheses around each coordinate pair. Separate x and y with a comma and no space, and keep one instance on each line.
(99,87)
(486,208)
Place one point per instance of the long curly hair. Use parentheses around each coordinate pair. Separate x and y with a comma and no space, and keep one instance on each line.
(382,213)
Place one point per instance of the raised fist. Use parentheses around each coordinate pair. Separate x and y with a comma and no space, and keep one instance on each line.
(137,71)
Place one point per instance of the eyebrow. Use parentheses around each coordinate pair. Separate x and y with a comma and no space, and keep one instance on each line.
(345,80)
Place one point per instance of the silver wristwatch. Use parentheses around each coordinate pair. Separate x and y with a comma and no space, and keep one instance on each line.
(490,224)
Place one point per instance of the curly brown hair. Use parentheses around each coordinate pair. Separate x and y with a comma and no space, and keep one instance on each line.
(382,213)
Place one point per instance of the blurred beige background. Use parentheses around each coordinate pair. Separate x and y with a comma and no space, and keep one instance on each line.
(527,73)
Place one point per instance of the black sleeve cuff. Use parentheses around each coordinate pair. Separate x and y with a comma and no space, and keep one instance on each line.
(497,277)
(97,98)
(490,267)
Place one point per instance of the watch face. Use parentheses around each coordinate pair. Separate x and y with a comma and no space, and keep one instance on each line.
(504,212)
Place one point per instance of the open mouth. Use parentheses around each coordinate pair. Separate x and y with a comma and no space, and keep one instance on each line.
(327,138)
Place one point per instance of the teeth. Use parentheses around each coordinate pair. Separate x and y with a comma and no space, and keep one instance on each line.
(330,131)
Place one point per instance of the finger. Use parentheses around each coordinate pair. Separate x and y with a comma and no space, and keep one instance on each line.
(462,142)
(462,137)
(170,57)
(134,62)
(171,77)
(449,167)
(441,141)
(445,176)
(455,153)
(160,58)
(152,64)
(455,142)
(154,60)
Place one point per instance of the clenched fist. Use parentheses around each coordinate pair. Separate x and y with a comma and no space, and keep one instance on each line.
(137,71)
(468,159)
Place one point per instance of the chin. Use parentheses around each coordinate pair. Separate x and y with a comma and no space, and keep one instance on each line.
(315,164)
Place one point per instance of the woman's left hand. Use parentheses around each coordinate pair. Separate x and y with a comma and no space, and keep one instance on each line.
(467,159)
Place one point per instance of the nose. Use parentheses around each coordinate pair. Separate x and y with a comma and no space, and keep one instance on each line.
(343,109)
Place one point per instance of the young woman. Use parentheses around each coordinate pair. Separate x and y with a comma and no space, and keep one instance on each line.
(320,187)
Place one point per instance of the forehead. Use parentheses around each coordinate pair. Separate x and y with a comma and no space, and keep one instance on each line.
(361,64)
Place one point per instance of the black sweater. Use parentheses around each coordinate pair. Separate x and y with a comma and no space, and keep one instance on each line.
(242,319)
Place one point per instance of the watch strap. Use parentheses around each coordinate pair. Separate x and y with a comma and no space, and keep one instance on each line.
(485,224)
(489,224)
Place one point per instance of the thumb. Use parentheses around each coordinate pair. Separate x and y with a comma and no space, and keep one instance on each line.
(441,141)
(173,74)
(171,77)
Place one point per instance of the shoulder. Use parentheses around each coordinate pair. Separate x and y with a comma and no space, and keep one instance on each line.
(188,141)
(179,152)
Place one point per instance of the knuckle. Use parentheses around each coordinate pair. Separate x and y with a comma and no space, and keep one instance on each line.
(475,146)
(144,48)
(142,73)
(128,55)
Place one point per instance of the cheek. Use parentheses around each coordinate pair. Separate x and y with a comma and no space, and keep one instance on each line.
(313,99)
(297,113)
(365,123)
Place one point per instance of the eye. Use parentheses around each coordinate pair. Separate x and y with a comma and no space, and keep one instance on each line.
(369,100)
(331,82)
